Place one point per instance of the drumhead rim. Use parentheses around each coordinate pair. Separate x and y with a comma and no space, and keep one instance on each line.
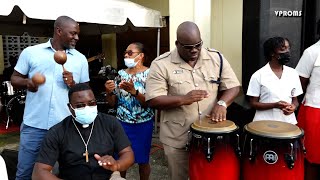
(257,133)
(221,130)
(216,132)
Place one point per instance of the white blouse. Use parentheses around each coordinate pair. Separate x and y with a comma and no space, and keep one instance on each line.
(309,67)
(269,88)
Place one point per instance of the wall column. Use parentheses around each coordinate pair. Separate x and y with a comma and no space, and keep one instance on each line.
(190,10)
(109,48)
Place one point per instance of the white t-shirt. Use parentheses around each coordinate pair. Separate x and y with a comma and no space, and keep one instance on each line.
(265,84)
(309,67)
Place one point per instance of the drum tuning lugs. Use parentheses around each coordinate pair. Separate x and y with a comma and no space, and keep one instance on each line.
(208,150)
(289,160)
(238,150)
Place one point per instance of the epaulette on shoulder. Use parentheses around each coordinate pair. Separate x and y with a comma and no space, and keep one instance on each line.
(211,50)
(164,55)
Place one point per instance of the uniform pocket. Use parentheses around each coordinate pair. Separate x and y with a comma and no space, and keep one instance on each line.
(180,87)
(211,82)
(175,116)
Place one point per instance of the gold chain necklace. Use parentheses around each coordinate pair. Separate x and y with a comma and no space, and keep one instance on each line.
(86,154)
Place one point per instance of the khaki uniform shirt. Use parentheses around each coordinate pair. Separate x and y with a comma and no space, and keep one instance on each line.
(172,76)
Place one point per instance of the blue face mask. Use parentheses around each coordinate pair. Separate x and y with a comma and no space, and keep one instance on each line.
(86,115)
(129,62)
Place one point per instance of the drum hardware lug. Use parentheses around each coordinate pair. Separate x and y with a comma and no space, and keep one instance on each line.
(208,151)
(252,156)
(289,157)
(238,150)
(219,137)
(303,147)
(291,149)
(188,142)
(289,160)
(7,124)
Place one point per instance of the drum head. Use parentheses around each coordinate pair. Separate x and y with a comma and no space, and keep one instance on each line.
(274,129)
(207,125)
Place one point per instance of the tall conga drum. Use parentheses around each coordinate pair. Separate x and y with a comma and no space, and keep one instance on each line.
(214,150)
(273,150)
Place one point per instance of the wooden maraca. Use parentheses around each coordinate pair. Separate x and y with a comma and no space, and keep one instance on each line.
(60,57)
(38,79)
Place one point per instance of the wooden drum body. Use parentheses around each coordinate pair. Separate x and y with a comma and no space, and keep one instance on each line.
(273,150)
(214,150)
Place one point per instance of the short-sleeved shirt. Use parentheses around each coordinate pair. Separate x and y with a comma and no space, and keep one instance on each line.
(48,105)
(269,88)
(129,109)
(309,67)
(172,76)
(63,144)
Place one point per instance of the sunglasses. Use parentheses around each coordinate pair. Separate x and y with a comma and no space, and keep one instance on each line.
(129,52)
(191,46)
(83,105)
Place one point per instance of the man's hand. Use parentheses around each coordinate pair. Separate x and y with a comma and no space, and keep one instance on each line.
(68,78)
(107,162)
(32,86)
(218,113)
(195,96)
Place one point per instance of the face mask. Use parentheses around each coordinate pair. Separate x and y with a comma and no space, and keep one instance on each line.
(86,115)
(284,58)
(129,62)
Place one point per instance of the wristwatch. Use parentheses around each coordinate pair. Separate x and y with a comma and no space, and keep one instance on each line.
(137,92)
(222,103)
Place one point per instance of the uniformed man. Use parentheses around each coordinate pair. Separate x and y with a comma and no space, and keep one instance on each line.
(188,83)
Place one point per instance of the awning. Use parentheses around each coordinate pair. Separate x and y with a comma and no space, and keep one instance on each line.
(95,16)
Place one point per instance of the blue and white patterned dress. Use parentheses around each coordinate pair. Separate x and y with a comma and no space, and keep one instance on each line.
(129,109)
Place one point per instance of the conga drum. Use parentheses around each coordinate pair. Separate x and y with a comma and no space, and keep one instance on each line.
(273,150)
(214,150)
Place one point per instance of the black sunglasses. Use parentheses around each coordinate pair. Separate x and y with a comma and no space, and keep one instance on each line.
(129,52)
(191,46)
(83,105)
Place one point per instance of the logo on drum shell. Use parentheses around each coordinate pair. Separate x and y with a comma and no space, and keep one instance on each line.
(197,136)
(270,157)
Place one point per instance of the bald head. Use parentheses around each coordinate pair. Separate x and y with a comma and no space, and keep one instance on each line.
(188,41)
(187,30)
(66,31)
(63,20)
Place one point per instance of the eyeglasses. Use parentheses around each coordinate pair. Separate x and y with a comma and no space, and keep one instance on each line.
(83,105)
(129,52)
(191,46)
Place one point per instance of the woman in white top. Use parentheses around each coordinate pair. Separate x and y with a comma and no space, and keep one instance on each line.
(309,112)
(274,88)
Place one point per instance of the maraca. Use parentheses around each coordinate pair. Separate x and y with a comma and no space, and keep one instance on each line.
(38,79)
(60,57)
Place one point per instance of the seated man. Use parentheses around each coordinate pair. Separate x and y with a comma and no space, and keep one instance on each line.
(84,142)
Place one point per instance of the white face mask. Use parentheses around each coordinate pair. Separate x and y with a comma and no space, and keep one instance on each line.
(86,115)
(129,62)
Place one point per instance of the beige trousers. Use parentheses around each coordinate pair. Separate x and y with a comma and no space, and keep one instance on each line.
(178,161)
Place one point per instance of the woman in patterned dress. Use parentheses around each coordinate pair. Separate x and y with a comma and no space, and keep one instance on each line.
(127,94)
